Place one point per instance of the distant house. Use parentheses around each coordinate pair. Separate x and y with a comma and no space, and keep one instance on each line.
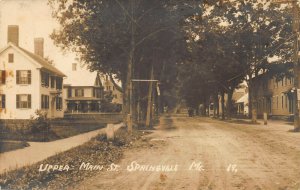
(239,94)
(275,97)
(116,93)
(83,91)
(242,105)
(28,81)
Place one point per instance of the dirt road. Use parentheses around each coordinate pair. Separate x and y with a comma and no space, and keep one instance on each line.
(209,154)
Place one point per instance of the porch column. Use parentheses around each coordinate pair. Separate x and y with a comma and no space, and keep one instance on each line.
(99,106)
(88,106)
(77,105)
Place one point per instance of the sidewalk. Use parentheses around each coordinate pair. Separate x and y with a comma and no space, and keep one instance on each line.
(38,151)
(277,125)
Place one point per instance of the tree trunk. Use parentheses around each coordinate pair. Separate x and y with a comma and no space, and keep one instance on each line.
(229,104)
(127,102)
(216,105)
(252,102)
(149,105)
(223,105)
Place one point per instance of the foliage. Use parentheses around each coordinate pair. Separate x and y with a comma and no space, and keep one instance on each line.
(125,38)
(232,42)
(40,123)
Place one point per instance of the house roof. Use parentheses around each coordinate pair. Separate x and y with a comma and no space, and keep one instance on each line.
(39,60)
(81,78)
(45,64)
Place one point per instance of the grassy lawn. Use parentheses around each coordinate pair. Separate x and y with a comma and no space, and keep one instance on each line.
(97,151)
(6,146)
(55,133)
(72,130)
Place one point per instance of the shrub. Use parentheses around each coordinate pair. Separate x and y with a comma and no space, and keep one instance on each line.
(40,123)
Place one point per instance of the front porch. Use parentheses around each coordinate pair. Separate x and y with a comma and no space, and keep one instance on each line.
(83,106)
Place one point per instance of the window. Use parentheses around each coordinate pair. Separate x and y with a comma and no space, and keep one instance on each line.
(277,102)
(23,101)
(24,77)
(58,103)
(282,101)
(2,77)
(45,102)
(2,101)
(10,58)
(97,93)
(79,92)
(59,84)
(69,92)
(45,79)
(282,82)
(286,101)
(52,81)
(74,67)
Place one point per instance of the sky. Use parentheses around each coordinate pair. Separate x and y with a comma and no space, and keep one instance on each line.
(34,20)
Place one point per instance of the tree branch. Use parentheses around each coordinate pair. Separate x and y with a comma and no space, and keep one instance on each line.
(149,35)
(119,88)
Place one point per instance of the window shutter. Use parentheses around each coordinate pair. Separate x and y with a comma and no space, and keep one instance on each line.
(18,101)
(60,99)
(29,76)
(18,77)
(29,100)
(42,102)
(47,102)
(3,74)
(56,102)
(3,101)
(76,92)
(69,92)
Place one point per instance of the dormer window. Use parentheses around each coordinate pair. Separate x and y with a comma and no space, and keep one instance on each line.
(10,58)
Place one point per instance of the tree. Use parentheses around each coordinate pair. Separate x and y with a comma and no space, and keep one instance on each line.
(124,38)
(236,39)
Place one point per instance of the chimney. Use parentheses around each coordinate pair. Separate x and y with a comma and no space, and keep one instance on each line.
(39,46)
(13,34)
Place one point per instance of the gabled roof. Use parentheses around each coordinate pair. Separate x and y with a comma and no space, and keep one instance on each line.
(37,59)
(83,78)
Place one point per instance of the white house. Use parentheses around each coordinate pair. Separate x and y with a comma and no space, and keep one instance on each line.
(83,91)
(28,82)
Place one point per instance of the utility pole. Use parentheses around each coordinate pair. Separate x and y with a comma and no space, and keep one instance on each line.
(296,50)
(296,90)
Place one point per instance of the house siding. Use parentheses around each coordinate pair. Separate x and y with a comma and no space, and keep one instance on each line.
(274,97)
(11,88)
